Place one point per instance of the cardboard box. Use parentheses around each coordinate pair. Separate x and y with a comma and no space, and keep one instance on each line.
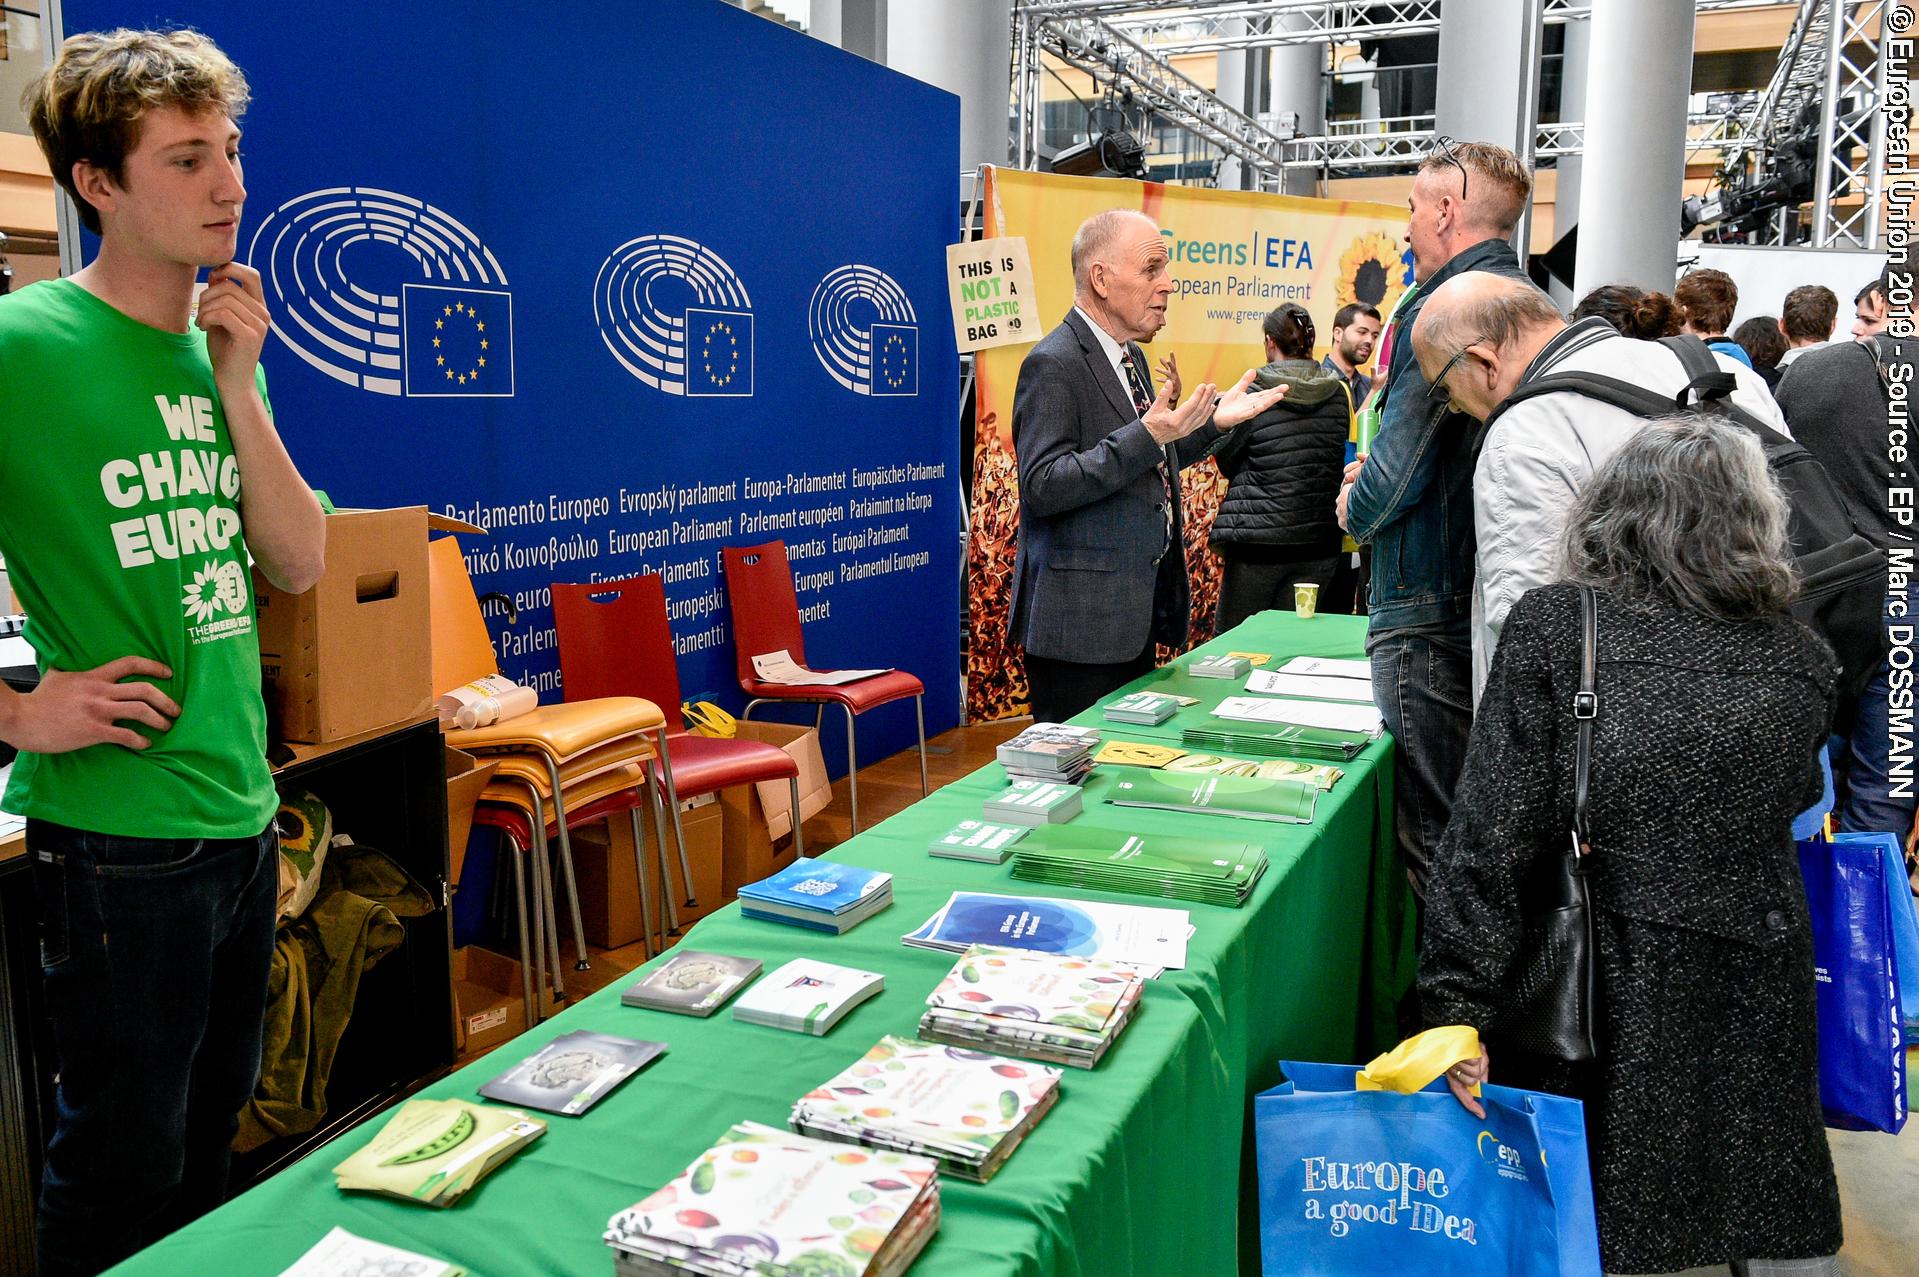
(489,1001)
(466,776)
(353,653)
(609,887)
(757,815)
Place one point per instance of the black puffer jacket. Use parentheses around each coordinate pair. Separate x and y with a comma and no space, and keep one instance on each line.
(1284,465)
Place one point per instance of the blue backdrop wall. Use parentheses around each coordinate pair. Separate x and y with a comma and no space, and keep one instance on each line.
(623,283)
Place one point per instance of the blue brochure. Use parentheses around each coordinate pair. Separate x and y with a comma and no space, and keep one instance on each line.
(817,886)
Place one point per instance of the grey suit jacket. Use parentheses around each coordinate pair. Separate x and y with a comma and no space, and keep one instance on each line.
(1091,505)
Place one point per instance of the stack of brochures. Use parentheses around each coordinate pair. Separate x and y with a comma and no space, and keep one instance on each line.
(967,1110)
(1281,741)
(690,982)
(1038,1006)
(807,996)
(1220,667)
(1050,751)
(1285,801)
(1151,939)
(771,1203)
(434,1151)
(573,1072)
(341,1254)
(1033,802)
(981,840)
(1209,870)
(1149,709)
(821,895)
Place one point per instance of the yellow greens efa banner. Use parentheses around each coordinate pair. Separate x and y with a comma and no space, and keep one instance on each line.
(1235,256)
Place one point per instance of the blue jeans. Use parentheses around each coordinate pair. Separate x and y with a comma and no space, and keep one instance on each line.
(155,954)
(1869,806)
(1423,682)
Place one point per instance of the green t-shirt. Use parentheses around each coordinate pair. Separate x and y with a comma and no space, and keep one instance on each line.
(120,525)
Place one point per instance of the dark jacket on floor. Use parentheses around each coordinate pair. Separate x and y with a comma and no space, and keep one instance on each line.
(1703,1114)
(1284,465)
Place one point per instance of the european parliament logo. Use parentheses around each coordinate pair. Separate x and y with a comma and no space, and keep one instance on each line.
(458,342)
(864,331)
(351,274)
(677,317)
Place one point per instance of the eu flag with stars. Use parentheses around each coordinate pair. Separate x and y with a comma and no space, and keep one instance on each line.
(896,359)
(459,341)
(719,353)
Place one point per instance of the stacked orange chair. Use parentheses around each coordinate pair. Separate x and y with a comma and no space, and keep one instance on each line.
(558,763)
(766,619)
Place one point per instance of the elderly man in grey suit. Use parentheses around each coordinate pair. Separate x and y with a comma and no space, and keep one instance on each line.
(1101,575)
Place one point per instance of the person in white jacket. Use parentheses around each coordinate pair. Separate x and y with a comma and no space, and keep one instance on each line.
(1480,338)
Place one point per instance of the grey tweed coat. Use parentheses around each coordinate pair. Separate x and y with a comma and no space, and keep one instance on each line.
(1703,1116)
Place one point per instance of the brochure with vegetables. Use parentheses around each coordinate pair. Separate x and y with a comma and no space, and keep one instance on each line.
(968,1109)
(773,1202)
(341,1254)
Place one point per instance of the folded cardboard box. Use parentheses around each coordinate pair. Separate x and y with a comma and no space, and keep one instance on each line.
(353,653)
(466,776)
(758,815)
(609,884)
(489,999)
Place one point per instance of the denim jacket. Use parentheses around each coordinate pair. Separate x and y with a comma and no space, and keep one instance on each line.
(1413,501)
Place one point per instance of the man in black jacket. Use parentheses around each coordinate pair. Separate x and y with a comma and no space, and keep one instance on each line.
(1837,400)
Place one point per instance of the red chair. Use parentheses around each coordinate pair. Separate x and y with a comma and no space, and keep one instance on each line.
(616,634)
(766,618)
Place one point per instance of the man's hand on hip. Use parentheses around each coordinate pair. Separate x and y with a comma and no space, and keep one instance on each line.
(1168,424)
(1239,404)
(70,710)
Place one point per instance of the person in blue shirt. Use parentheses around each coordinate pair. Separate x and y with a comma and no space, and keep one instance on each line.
(1411,498)
(1707,300)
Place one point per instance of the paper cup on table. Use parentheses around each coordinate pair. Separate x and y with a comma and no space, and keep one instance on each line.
(1306,598)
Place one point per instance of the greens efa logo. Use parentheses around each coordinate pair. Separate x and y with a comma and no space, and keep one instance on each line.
(1263,252)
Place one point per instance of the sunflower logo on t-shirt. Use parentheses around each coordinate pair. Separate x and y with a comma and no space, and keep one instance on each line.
(217,587)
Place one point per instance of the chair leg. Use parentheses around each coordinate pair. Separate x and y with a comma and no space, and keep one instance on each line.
(752,705)
(543,871)
(852,768)
(526,941)
(566,865)
(639,868)
(670,913)
(819,717)
(799,835)
(673,807)
(919,721)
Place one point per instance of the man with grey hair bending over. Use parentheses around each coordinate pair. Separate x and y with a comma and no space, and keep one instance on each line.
(1481,338)
(1101,576)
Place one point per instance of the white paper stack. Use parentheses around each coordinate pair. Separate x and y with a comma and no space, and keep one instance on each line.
(1220,667)
(1147,709)
(806,996)
(1034,802)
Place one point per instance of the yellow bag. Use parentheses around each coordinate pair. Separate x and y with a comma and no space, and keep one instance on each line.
(708,719)
(1413,1064)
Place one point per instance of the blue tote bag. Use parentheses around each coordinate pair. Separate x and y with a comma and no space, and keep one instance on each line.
(1905,923)
(1355,1184)
(1862,1055)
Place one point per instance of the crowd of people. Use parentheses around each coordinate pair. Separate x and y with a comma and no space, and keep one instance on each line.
(1505,479)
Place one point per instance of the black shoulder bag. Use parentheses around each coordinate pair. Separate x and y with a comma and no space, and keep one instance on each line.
(1555,1004)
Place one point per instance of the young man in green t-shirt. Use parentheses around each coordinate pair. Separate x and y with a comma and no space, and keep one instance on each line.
(138,466)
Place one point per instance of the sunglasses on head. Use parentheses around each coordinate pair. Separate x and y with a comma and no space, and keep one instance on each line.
(1443,147)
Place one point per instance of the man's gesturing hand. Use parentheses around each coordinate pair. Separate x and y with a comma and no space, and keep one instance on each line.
(1238,404)
(1167,423)
(70,711)
(233,311)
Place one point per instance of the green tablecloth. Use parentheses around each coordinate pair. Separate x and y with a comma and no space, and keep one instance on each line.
(1138,1170)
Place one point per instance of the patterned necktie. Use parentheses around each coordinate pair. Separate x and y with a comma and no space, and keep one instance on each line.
(1143,403)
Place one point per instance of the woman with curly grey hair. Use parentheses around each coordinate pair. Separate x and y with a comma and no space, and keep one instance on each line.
(1702,1111)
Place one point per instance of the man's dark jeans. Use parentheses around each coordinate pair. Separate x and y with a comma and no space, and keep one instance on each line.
(1423,682)
(155,954)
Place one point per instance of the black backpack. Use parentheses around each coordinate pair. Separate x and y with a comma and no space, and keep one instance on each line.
(1842,575)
